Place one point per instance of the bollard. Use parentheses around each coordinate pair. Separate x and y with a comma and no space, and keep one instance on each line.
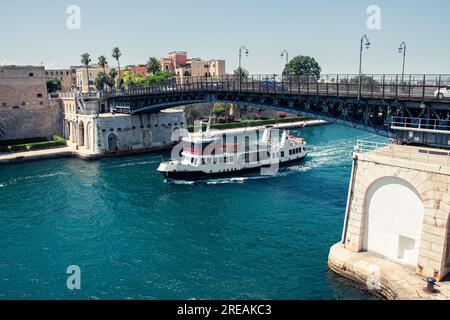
(430,284)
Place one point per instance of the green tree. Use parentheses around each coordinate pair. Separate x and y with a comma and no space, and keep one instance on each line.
(102,62)
(102,80)
(220,109)
(302,66)
(365,80)
(194,114)
(116,54)
(241,72)
(86,60)
(2,127)
(120,83)
(153,65)
(112,77)
(53,84)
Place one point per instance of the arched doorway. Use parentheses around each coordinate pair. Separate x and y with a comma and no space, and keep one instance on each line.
(67,132)
(73,132)
(176,134)
(81,134)
(112,143)
(146,138)
(89,136)
(393,220)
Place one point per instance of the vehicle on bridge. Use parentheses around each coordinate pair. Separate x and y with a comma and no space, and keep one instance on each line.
(442,93)
(211,85)
(271,85)
(208,157)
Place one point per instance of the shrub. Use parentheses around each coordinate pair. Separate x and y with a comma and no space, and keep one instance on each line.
(40,143)
(22,141)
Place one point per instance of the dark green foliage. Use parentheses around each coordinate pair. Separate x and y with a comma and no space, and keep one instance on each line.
(31,144)
(302,66)
(53,84)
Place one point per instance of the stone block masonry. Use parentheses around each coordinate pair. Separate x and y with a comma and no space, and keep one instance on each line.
(25,106)
(398,211)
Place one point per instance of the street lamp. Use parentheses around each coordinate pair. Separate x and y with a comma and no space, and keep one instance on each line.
(367,44)
(283,54)
(402,49)
(245,50)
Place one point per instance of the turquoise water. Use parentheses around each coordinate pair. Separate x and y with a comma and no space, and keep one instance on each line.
(136,236)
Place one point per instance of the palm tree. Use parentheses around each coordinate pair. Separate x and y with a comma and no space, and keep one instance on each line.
(116,54)
(112,77)
(86,60)
(2,127)
(153,65)
(102,62)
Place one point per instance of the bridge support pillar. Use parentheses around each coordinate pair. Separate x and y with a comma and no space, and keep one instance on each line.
(398,215)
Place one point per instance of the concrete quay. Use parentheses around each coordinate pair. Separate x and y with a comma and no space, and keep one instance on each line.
(69,151)
(383,277)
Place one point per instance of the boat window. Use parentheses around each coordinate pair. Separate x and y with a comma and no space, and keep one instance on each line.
(214,161)
(290,152)
(203,161)
(282,154)
(209,160)
(192,160)
(225,159)
(231,159)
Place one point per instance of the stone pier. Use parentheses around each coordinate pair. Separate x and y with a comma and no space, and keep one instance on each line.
(396,228)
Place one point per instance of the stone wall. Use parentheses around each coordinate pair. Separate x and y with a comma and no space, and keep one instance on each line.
(430,177)
(25,106)
(111,133)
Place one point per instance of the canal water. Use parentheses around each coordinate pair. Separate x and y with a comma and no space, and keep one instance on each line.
(135,236)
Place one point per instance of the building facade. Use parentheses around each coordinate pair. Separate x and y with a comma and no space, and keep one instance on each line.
(138,70)
(185,68)
(95,133)
(82,83)
(25,106)
(68,77)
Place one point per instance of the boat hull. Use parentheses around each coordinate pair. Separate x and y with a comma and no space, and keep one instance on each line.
(200,175)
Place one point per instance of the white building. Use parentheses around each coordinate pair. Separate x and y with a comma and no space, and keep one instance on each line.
(94,133)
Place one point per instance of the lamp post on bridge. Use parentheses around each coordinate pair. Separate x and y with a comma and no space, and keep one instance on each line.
(367,44)
(283,54)
(242,48)
(402,49)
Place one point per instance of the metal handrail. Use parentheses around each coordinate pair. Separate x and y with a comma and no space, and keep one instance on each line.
(386,86)
(407,123)
(394,151)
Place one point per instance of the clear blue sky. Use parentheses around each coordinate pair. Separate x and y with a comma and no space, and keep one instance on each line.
(329,30)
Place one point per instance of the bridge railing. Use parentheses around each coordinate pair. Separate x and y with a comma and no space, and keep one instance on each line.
(382,86)
(364,146)
(420,124)
(397,151)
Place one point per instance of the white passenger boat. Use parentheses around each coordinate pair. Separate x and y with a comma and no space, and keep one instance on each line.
(209,156)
